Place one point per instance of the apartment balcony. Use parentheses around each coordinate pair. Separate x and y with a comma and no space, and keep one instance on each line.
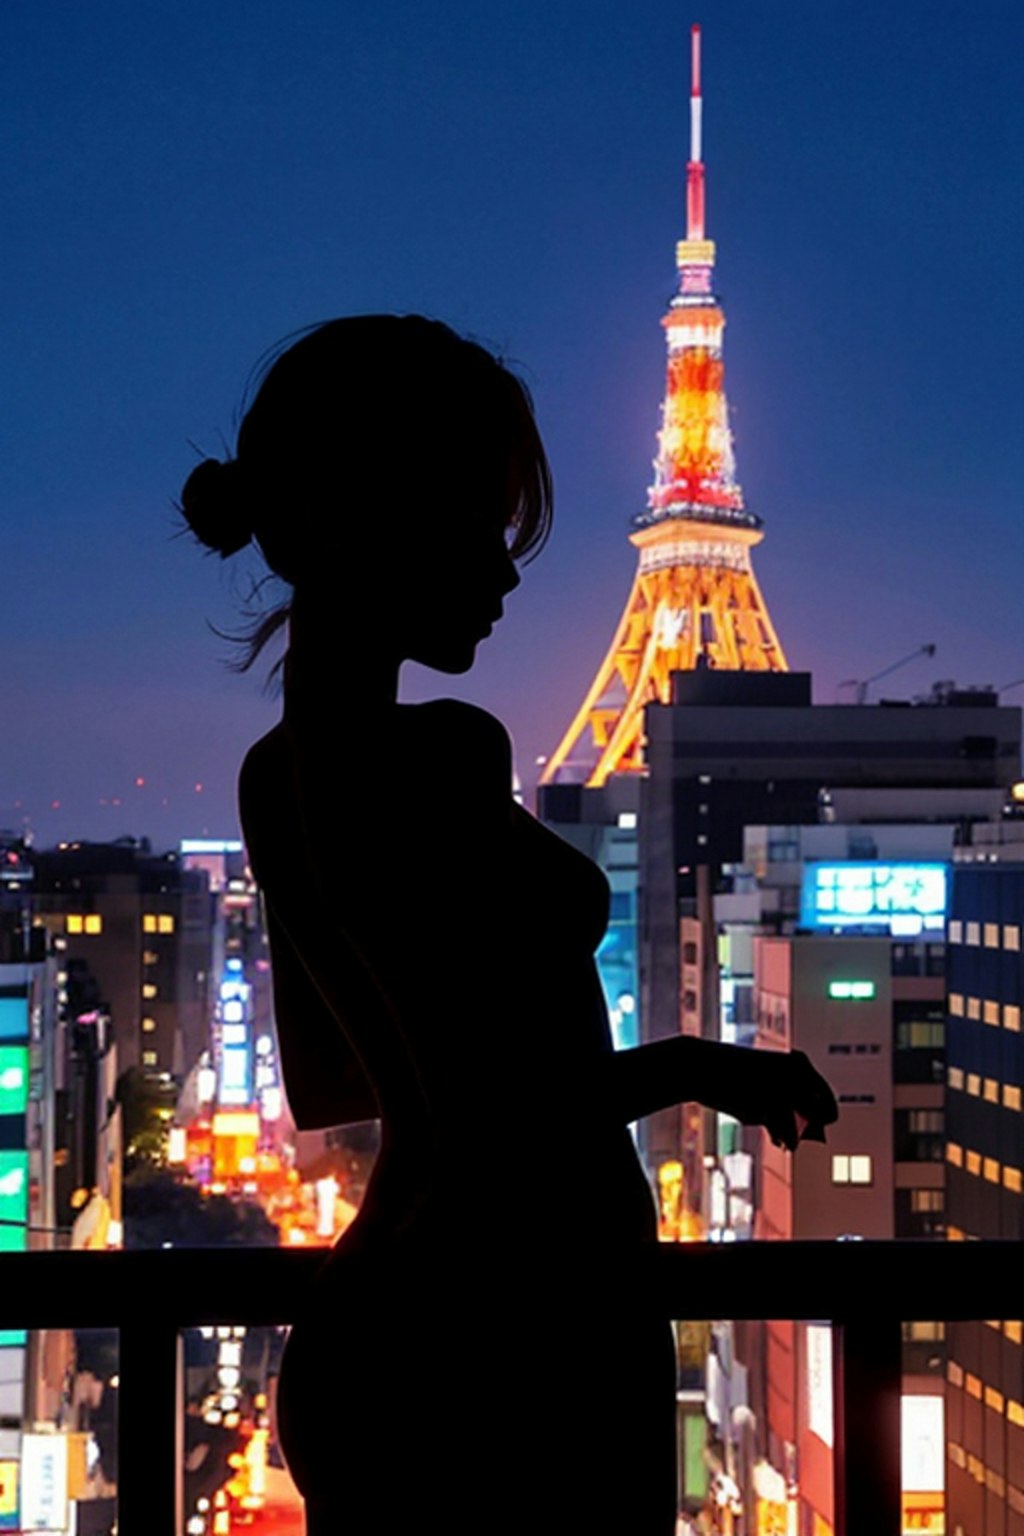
(864,1289)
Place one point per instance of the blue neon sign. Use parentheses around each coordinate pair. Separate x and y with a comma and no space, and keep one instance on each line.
(901,897)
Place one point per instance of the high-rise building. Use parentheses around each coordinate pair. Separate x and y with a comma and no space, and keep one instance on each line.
(733,751)
(695,600)
(142,924)
(985,1174)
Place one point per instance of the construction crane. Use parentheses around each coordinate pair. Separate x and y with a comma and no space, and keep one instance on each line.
(861,687)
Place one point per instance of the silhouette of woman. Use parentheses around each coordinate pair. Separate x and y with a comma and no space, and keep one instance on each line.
(475,1356)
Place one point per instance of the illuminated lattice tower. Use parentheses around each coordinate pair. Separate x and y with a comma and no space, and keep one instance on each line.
(695,600)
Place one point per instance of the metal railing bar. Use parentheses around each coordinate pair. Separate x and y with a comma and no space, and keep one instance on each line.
(923,1281)
(866,1446)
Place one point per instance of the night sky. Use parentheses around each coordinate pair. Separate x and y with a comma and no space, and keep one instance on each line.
(184,184)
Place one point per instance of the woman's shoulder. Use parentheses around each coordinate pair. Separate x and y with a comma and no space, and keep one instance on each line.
(455,719)
(433,750)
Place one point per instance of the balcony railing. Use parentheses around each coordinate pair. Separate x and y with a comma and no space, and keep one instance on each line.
(865,1289)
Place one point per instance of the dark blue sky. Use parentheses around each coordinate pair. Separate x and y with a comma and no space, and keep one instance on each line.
(182,185)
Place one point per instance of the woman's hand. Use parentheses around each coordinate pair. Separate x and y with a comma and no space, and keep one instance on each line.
(781,1091)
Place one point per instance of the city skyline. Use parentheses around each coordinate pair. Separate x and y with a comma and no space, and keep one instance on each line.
(181,199)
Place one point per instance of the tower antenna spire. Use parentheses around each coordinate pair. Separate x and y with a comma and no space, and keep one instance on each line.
(695,601)
(695,166)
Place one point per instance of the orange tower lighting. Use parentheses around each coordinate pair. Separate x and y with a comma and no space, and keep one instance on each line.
(695,600)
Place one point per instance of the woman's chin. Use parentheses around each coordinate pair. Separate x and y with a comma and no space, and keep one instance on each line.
(454,659)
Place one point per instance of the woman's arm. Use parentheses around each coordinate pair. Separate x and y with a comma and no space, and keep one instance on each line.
(325,1081)
(777,1089)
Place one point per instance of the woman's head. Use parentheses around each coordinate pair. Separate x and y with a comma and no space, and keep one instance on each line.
(382,450)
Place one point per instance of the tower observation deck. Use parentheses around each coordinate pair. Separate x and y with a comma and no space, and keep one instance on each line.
(695,600)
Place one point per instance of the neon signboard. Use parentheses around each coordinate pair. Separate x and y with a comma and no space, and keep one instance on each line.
(13,1201)
(13,1018)
(902,898)
(851,991)
(235,1085)
(13,1079)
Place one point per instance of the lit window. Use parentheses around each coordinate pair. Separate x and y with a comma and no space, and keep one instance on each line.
(973,1083)
(956,930)
(1011,936)
(955,1373)
(972,1162)
(991,935)
(149,922)
(990,1090)
(954,1154)
(973,933)
(851,1170)
(1015,1411)
(973,1385)
(1011,1017)
(1014,1331)
(927,1200)
(93,923)
(1012,1179)
(148,989)
(974,1007)
(76,922)
(991,1012)
(990,1169)
(165,923)
(149,1058)
(956,1004)
(148,1026)
(627,820)
(956,1077)
(1011,1096)
(150,957)
(994,1399)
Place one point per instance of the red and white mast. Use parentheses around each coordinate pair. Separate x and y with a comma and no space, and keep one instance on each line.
(695,166)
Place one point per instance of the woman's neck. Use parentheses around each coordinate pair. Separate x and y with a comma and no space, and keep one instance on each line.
(329,663)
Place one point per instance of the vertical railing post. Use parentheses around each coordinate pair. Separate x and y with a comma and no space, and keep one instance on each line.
(867,1423)
(150,1427)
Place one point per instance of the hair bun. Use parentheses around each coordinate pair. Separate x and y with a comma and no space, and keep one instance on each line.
(215,508)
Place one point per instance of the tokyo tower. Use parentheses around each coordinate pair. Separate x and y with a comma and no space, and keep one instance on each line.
(695,600)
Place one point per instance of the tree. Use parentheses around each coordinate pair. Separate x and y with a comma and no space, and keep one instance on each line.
(147,1106)
(160,1209)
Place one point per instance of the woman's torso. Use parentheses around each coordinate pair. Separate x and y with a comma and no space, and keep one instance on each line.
(484,1029)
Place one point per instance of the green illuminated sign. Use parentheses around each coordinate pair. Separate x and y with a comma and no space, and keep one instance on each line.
(13,1079)
(13,1201)
(850,991)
